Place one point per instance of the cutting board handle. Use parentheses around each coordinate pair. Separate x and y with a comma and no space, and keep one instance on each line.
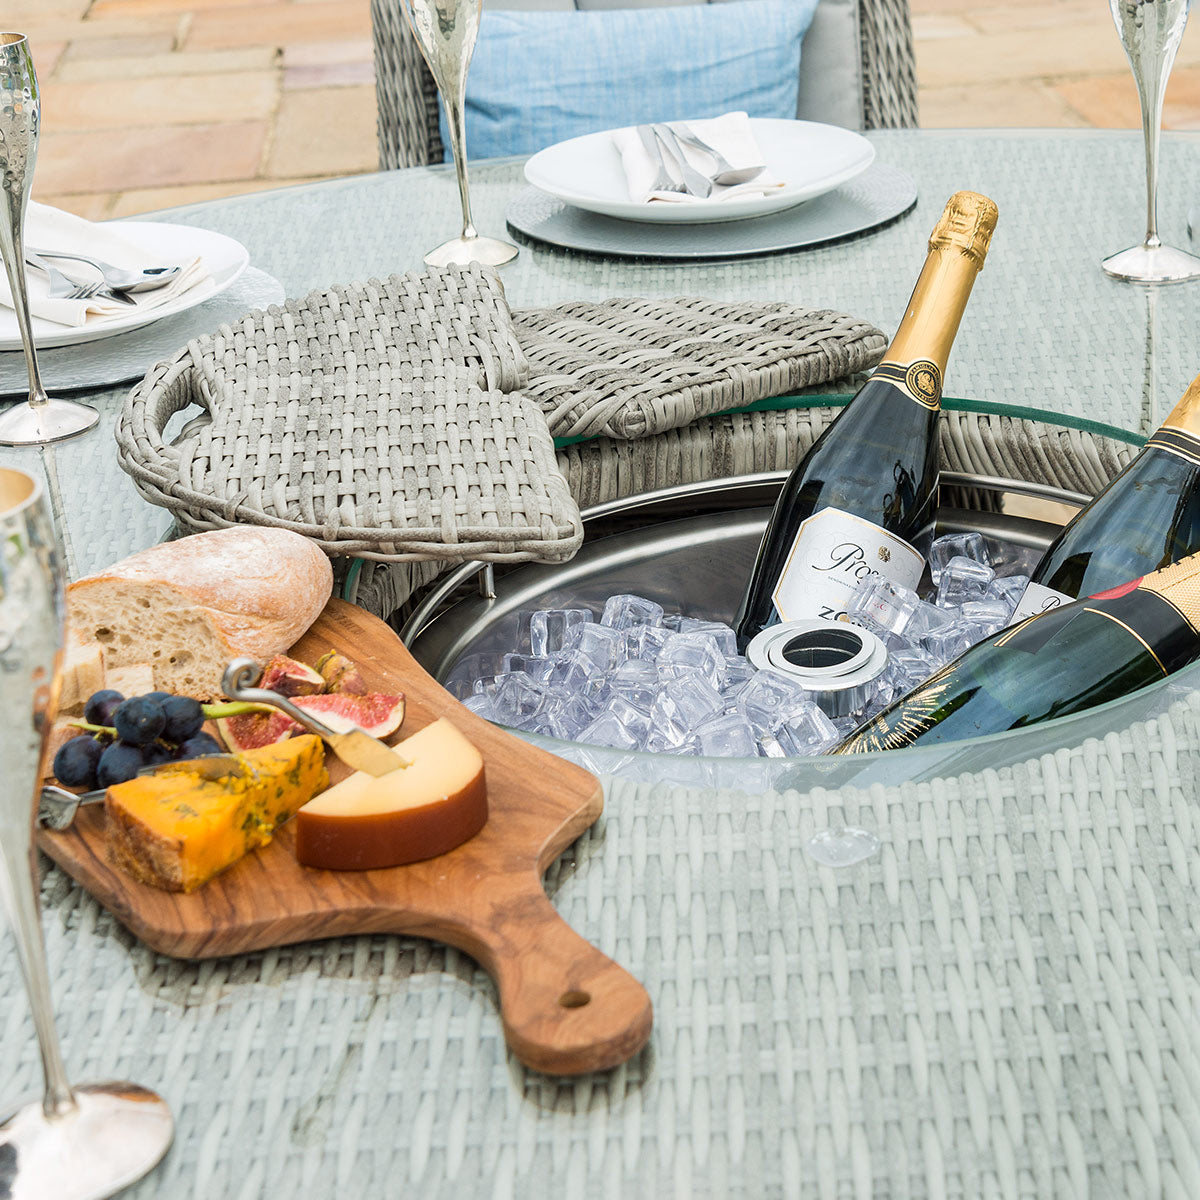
(566,1008)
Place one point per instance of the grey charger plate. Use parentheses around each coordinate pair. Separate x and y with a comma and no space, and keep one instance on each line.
(879,195)
(126,356)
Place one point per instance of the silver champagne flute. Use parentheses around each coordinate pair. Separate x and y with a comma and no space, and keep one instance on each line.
(446,31)
(79,1143)
(39,419)
(1150,32)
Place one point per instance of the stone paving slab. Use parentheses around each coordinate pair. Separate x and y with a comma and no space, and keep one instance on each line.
(219,97)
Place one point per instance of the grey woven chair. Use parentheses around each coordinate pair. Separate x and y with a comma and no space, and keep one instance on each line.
(859,70)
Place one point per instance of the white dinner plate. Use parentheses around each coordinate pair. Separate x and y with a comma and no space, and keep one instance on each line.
(811,159)
(224,258)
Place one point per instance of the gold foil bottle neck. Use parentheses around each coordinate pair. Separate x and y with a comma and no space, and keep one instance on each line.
(1186,414)
(967,224)
(1179,585)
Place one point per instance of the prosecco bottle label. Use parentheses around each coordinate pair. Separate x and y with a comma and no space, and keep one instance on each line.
(1180,442)
(832,553)
(1035,599)
(920,381)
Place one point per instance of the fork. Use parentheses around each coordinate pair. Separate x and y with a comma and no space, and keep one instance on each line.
(694,182)
(120,279)
(663,182)
(62,288)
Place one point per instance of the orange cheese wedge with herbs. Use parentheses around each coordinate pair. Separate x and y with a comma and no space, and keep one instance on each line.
(177,830)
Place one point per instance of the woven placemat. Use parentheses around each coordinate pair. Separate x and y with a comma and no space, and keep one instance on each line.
(632,368)
(378,419)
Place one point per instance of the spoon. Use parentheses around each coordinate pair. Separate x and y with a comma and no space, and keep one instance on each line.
(118,278)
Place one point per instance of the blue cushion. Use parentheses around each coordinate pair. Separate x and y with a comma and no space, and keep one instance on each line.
(540,77)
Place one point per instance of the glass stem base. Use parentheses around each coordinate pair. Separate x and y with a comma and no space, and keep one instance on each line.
(1152,264)
(489,252)
(113,1135)
(36,424)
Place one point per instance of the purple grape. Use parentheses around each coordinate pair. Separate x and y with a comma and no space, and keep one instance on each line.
(140,720)
(157,752)
(119,763)
(200,746)
(76,761)
(184,718)
(101,706)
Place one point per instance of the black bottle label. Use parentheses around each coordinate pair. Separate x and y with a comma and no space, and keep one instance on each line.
(920,381)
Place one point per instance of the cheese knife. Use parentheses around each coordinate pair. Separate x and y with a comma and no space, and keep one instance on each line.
(354,746)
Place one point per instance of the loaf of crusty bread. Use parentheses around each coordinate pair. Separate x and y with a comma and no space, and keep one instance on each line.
(188,607)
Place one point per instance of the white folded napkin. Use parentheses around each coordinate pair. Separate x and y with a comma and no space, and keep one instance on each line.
(52,229)
(730,134)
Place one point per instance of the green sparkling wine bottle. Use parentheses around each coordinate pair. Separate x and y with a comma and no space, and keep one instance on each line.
(869,484)
(1148,517)
(1061,661)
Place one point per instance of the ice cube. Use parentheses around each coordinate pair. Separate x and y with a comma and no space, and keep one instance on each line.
(883,606)
(634,717)
(469,670)
(679,707)
(907,668)
(810,730)
(646,642)
(726,638)
(737,670)
(607,730)
(577,672)
(480,703)
(571,710)
(947,643)
(628,612)
(727,736)
(766,697)
(537,669)
(963,579)
(517,700)
(604,645)
(986,614)
(692,653)
(549,627)
(1010,589)
(925,621)
(672,621)
(636,681)
(957,545)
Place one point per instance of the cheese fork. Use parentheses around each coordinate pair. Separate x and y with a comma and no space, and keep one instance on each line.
(57,807)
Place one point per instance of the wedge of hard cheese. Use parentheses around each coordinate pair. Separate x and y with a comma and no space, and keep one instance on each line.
(177,830)
(419,811)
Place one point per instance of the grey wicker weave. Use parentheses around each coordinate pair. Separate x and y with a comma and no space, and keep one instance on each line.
(407,98)
(634,368)
(378,419)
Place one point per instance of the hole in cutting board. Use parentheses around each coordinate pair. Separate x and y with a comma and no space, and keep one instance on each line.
(574,999)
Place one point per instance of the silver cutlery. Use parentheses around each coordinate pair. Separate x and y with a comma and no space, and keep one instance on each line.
(662,182)
(119,279)
(723,171)
(694,182)
(62,288)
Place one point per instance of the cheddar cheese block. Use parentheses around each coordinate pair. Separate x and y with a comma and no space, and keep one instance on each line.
(416,812)
(177,830)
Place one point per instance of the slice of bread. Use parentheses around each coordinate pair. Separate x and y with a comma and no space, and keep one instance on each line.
(188,607)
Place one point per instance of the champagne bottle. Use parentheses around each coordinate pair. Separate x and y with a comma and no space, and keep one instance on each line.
(1061,661)
(1148,517)
(869,483)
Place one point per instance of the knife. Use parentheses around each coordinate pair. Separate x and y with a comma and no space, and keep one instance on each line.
(353,746)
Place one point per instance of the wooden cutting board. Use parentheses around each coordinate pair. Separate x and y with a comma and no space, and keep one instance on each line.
(566,1008)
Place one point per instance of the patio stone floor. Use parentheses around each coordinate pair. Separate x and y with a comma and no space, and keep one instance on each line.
(150,103)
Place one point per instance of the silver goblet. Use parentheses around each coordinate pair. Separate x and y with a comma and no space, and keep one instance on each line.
(74,1143)
(40,419)
(446,31)
(1150,32)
